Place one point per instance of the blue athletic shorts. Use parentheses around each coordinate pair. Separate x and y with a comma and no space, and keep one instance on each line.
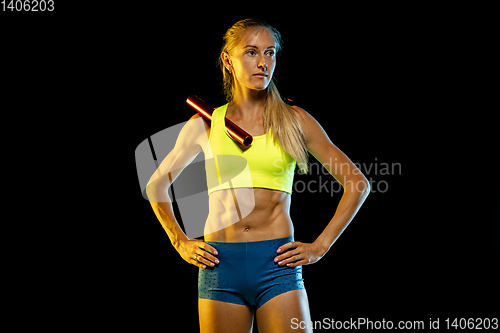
(247,273)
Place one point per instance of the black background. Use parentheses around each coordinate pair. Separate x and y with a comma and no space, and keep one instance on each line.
(380,86)
(399,85)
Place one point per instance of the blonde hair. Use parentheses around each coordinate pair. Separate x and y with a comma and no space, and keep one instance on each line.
(279,117)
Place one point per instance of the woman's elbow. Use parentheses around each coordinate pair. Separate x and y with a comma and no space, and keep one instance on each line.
(157,190)
(360,186)
(365,187)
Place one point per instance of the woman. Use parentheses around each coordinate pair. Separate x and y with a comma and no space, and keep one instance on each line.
(249,259)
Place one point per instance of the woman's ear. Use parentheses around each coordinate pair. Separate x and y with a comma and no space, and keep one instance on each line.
(227,61)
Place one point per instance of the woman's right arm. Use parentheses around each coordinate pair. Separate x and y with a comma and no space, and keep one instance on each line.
(189,142)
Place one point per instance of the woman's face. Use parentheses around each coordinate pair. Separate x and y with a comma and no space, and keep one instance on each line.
(252,61)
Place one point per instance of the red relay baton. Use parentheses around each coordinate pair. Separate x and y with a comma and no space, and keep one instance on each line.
(205,111)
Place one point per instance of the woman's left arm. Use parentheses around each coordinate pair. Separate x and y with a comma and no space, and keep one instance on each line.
(356,189)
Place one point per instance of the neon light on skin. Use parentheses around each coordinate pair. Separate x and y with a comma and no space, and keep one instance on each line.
(197,108)
(235,132)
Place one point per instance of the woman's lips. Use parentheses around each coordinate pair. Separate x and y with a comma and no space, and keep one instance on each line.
(261,75)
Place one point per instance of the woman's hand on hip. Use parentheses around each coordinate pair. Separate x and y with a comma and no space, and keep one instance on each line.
(296,253)
(198,253)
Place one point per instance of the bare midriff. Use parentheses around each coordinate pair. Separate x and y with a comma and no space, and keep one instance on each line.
(248,215)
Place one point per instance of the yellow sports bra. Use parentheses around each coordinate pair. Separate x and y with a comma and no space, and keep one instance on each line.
(263,164)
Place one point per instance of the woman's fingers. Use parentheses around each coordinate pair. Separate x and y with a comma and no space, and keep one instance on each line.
(285,257)
(207,259)
(300,254)
(209,248)
(205,255)
(195,261)
(290,259)
(287,246)
(290,250)
(297,263)
(209,252)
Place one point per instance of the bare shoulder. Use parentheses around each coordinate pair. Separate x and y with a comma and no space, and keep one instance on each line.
(196,118)
(194,133)
(310,126)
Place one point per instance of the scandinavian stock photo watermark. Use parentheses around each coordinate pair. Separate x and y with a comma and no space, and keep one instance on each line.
(189,186)
(370,324)
(323,182)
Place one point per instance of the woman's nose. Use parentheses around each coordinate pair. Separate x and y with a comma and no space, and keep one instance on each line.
(262,63)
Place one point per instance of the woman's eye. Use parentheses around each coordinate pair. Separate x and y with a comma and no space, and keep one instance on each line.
(251,52)
(270,53)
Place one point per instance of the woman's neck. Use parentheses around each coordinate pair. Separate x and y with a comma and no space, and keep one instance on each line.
(248,104)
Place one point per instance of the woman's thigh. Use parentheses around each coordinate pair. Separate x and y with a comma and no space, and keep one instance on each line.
(222,317)
(277,314)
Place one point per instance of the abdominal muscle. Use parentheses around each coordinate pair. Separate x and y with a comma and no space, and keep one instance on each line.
(248,215)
